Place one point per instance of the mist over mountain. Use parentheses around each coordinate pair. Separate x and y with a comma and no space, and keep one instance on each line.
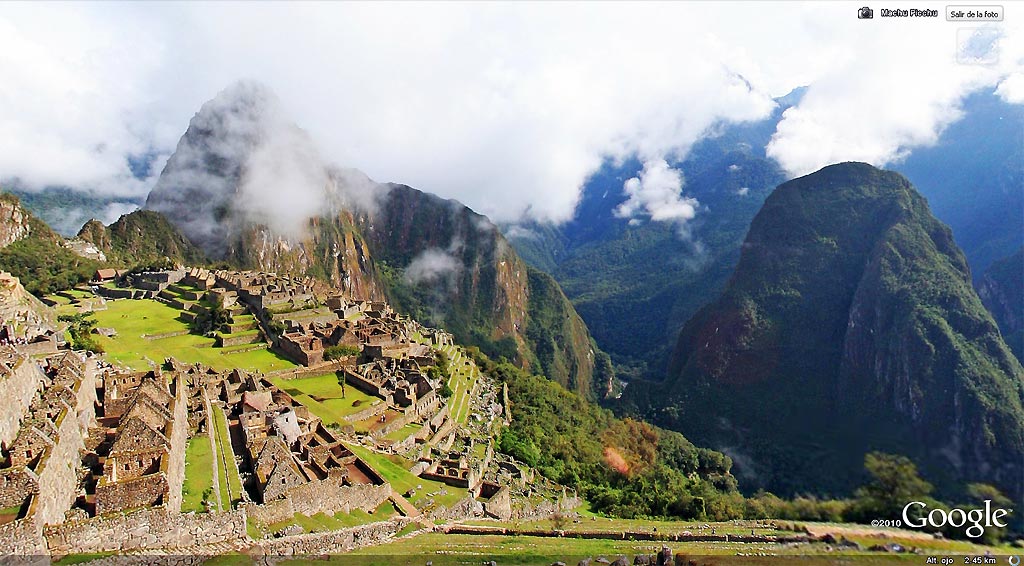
(849,325)
(635,279)
(250,188)
(971,178)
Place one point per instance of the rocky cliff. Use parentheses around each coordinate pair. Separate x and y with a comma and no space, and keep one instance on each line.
(26,315)
(850,324)
(14,221)
(1001,289)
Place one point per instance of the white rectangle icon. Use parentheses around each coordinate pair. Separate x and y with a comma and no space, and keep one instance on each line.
(974,13)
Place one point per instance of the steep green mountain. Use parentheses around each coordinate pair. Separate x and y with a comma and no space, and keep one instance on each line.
(1002,291)
(849,325)
(248,187)
(35,254)
(449,266)
(141,237)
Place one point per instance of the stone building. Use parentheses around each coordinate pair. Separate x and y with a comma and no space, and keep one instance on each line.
(144,464)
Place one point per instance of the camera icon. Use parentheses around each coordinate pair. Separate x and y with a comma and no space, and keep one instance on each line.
(865,13)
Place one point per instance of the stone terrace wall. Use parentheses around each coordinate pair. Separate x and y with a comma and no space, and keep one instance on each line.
(326,367)
(320,497)
(272,512)
(155,527)
(334,542)
(22,538)
(17,391)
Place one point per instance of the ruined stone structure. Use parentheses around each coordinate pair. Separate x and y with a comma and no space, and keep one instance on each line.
(144,464)
(41,478)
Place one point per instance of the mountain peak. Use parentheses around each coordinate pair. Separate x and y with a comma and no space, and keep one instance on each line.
(850,324)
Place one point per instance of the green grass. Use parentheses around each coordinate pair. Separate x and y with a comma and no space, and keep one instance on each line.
(461,383)
(404,432)
(82,558)
(134,319)
(322,395)
(446,549)
(230,484)
(395,469)
(198,463)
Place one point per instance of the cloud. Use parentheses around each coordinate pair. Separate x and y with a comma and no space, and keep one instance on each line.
(430,265)
(656,193)
(507,107)
(889,94)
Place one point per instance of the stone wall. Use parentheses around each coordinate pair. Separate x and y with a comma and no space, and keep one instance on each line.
(179,438)
(465,508)
(499,505)
(21,538)
(16,484)
(238,340)
(328,367)
(375,410)
(17,391)
(139,492)
(394,425)
(58,472)
(147,528)
(324,496)
(272,512)
(334,542)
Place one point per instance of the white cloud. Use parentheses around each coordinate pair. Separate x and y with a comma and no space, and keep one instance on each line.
(896,89)
(656,193)
(505,107)
(430,265)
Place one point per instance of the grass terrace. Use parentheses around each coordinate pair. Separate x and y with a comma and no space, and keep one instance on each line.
(137,321)
(322,522)
(198,463)
(395,469)
(404,432)
(462,380)
(230,484)
(322,395)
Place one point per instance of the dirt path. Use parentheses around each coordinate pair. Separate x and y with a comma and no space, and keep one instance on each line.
(865,531)
(407,509)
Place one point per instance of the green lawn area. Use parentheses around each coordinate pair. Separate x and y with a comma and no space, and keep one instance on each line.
(322,395)
(198,463)
(134,319)
(230,484)
(404,432)
(395,469)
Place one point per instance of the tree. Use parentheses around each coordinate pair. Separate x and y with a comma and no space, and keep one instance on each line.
(340,351)
(215,318)
(80,328)
(895,483)
(341,382)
